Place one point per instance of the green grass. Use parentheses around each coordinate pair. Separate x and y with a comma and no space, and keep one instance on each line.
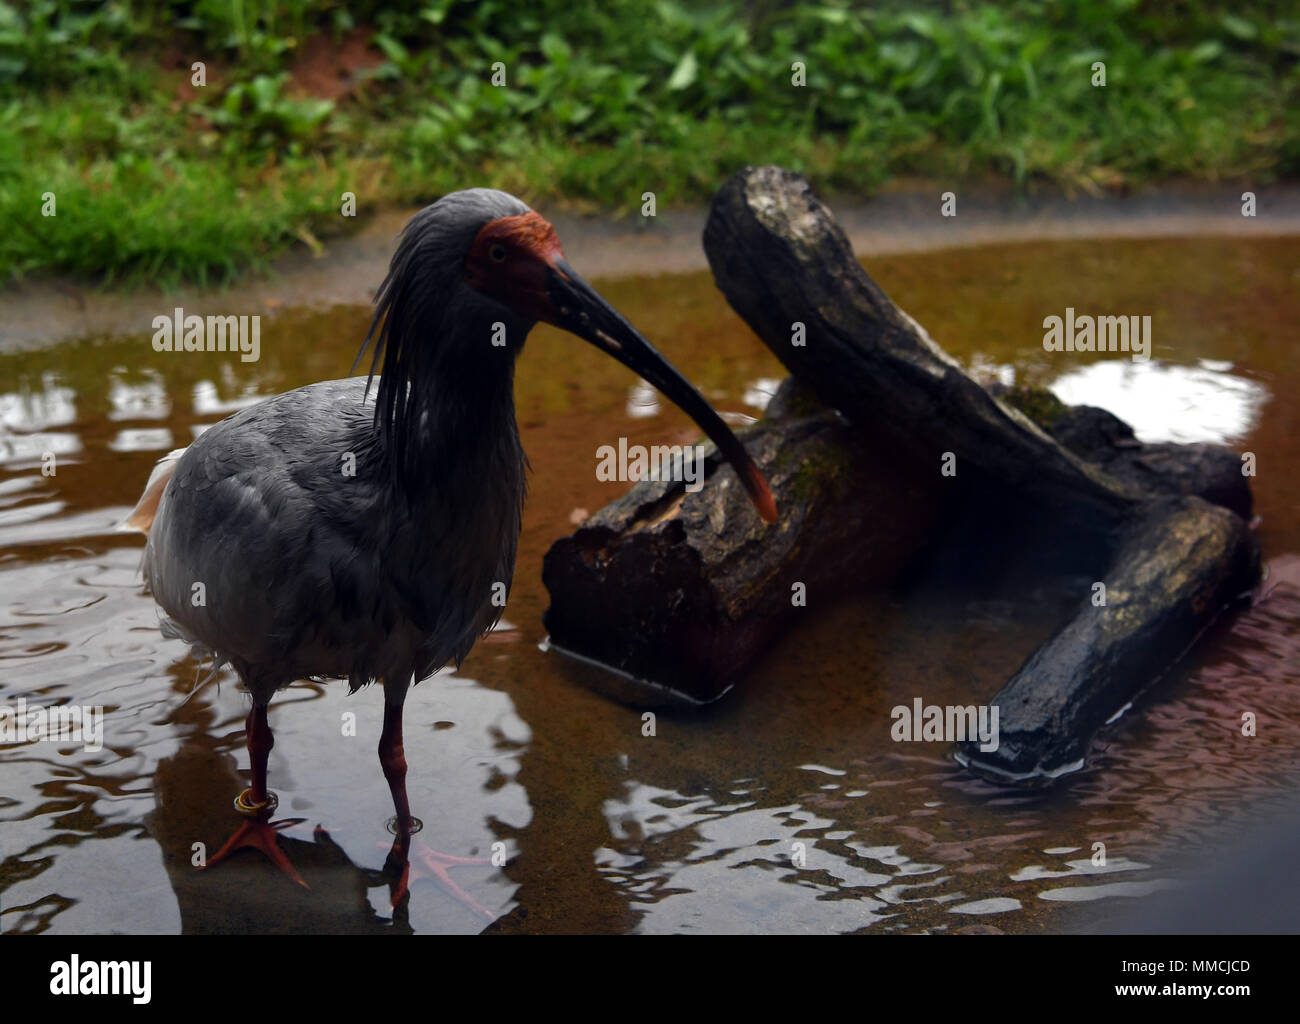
(603,102)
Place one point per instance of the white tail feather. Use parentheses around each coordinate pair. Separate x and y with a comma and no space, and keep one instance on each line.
(141,517)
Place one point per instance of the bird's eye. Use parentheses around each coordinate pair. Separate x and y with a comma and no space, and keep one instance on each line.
(497,252)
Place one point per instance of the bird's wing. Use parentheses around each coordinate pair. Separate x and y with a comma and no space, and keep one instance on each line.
(308,561)
(255,531)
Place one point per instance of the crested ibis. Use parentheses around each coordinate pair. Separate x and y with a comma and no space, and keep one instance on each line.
(385,573)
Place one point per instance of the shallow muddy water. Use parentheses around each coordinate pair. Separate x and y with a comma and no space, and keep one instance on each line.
(604,828)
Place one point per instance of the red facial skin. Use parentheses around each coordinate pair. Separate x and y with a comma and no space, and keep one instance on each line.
(509,261)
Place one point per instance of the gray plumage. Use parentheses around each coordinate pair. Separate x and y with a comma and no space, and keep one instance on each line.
(347,531)
(387,574)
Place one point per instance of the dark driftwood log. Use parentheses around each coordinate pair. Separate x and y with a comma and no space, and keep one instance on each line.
(686,589)
(780,259)
(1176,571)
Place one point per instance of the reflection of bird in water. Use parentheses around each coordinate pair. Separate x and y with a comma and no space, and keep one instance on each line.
(325,533)
(234,902)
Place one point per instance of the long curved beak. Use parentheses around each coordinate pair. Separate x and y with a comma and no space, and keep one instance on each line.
(579,309)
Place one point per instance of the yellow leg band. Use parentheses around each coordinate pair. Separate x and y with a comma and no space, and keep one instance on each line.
(244,804)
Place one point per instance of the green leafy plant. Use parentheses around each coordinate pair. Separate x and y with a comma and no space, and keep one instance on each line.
(258,116)
(606,100)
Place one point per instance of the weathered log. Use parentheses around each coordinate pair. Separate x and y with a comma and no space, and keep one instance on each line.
(780,259)
(682,591)
(685,589)
(1177,571)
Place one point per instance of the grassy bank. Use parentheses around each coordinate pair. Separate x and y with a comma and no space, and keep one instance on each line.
(155,178)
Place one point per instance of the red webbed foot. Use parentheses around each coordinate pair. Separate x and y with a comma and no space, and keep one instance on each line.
(260,833)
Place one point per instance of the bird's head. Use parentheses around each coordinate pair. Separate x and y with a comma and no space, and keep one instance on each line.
(480,260)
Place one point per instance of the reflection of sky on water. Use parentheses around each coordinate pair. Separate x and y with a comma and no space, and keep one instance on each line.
(142,440)
(19,450)
(25,419)
(145,400)
(642,401)
(987,370)
(53,405)
(726,862)
(1164,402)
(759,392)
(208,400)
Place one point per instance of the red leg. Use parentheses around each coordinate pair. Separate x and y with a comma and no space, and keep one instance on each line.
(260,742)
(392,757)
(257,803)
